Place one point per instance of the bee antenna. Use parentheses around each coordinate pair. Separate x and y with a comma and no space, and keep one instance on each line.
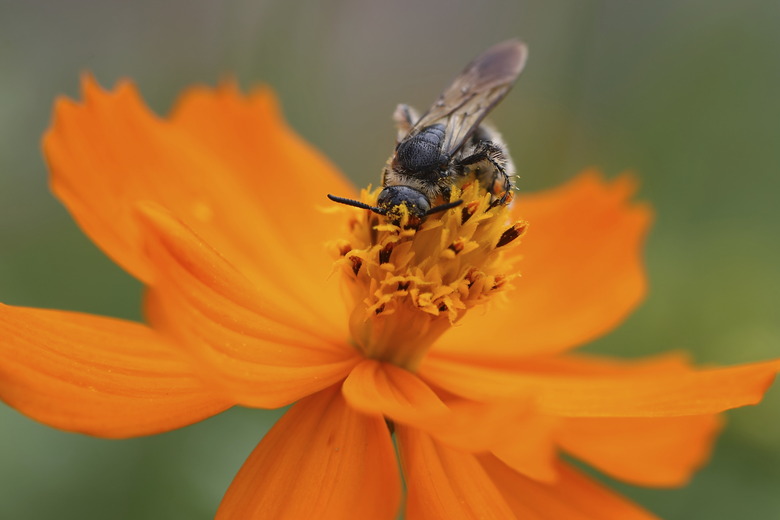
(356,204)
(443,207)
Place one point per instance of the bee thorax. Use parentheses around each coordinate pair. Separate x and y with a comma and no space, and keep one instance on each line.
(421,154)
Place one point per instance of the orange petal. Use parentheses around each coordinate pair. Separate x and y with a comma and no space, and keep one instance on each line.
(99,376)
(322,460)
(384,389)
(572,497)
(243,341)
(644,451)
(513,431)
(662,451)
(251,136)
(443,483)
(110,152)
(521,438)
(581,267)
(529,448)
(287,178)
(632,393)
(594,365)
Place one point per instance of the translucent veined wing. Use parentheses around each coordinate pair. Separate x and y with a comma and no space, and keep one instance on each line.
(466,102)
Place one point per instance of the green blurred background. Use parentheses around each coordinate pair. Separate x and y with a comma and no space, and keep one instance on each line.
(686,93)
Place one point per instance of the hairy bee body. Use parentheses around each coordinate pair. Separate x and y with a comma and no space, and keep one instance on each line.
(449,144)
(417,164)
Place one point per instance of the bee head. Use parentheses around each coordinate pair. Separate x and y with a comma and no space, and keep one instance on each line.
(391,198)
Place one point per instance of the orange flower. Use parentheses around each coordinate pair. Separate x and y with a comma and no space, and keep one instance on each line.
(220,210)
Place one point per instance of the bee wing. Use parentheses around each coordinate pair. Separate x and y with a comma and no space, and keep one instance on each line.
(466,102)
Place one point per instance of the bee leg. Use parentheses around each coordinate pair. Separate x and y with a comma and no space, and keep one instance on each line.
(405,117)
(446,193)
(488,165)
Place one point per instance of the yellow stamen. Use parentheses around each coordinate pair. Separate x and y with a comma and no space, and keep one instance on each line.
(408,285)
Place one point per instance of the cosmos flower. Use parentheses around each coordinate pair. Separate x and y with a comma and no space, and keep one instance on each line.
(455,337)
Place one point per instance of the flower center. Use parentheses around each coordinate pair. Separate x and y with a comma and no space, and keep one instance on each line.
(407,285)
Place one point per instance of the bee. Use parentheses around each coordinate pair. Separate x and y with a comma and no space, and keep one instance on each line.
(449,143)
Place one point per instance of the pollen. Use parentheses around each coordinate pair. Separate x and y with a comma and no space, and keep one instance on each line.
(408,284)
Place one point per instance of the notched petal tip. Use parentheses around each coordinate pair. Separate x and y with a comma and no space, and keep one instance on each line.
(89,85)
(261,102)
(124,90)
